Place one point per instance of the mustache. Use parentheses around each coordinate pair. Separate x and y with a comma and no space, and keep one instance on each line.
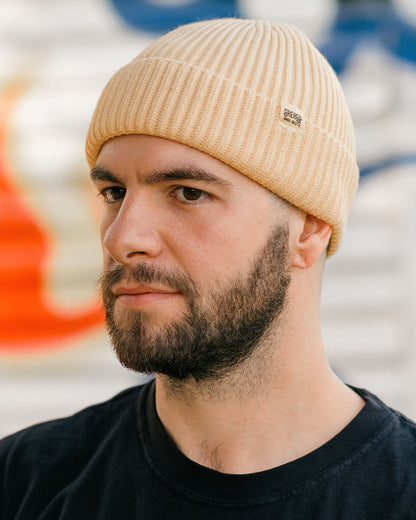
(145,274)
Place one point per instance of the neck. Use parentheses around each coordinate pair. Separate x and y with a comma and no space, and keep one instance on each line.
(279,405)
(247,382)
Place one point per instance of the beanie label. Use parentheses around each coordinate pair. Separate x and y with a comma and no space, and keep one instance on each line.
(291,115)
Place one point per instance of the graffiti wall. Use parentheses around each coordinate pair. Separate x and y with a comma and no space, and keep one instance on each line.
(55,57)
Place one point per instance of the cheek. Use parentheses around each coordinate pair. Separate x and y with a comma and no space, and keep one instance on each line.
(104,229)
(218,249)
(107,260)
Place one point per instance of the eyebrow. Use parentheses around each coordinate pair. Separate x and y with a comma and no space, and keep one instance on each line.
(187,172)
(98,173)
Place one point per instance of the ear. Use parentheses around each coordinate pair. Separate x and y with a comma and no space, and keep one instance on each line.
(311,241)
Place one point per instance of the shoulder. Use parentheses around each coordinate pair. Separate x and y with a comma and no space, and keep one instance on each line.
(390,447)
(378,478)
(399,441)
(394,425)
(38,463)
(49,441)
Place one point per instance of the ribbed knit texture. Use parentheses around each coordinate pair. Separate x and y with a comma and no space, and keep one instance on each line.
(255,94)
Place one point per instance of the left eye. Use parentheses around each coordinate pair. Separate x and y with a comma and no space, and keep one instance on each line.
(190,194)
(113,194)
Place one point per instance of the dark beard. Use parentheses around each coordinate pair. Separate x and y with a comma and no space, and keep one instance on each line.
(216,333)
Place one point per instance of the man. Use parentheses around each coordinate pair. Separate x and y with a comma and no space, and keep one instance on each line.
(224,155)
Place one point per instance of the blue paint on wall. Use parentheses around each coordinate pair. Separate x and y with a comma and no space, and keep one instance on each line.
(389,162)
(147,15)
(356,22)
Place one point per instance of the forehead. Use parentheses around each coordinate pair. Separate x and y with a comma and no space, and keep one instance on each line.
(144,154)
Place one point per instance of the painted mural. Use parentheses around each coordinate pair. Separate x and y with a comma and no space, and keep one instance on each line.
(28,318)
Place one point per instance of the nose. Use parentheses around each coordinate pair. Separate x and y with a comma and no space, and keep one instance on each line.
(132,232)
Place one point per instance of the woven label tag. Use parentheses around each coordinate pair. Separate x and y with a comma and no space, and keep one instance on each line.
(291,115)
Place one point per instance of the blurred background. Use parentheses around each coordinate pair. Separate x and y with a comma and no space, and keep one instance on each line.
(55,57)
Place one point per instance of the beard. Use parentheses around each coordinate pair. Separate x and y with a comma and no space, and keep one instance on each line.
(217,331)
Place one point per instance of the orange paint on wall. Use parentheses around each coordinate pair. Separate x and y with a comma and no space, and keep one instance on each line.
(28,322)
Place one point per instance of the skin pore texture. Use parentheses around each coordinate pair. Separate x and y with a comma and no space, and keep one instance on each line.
(191,245)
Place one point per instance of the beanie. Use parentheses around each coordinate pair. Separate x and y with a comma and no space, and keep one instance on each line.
(256,95)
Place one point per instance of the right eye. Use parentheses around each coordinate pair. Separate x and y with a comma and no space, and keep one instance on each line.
(112,194)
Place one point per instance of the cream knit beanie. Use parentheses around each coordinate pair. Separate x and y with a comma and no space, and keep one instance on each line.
(255,94)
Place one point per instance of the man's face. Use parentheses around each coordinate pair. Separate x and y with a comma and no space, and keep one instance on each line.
(195,258)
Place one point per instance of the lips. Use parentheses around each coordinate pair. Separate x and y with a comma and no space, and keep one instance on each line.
(142,289)
(141,296)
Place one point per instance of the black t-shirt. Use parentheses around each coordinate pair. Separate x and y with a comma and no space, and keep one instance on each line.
(115,461)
